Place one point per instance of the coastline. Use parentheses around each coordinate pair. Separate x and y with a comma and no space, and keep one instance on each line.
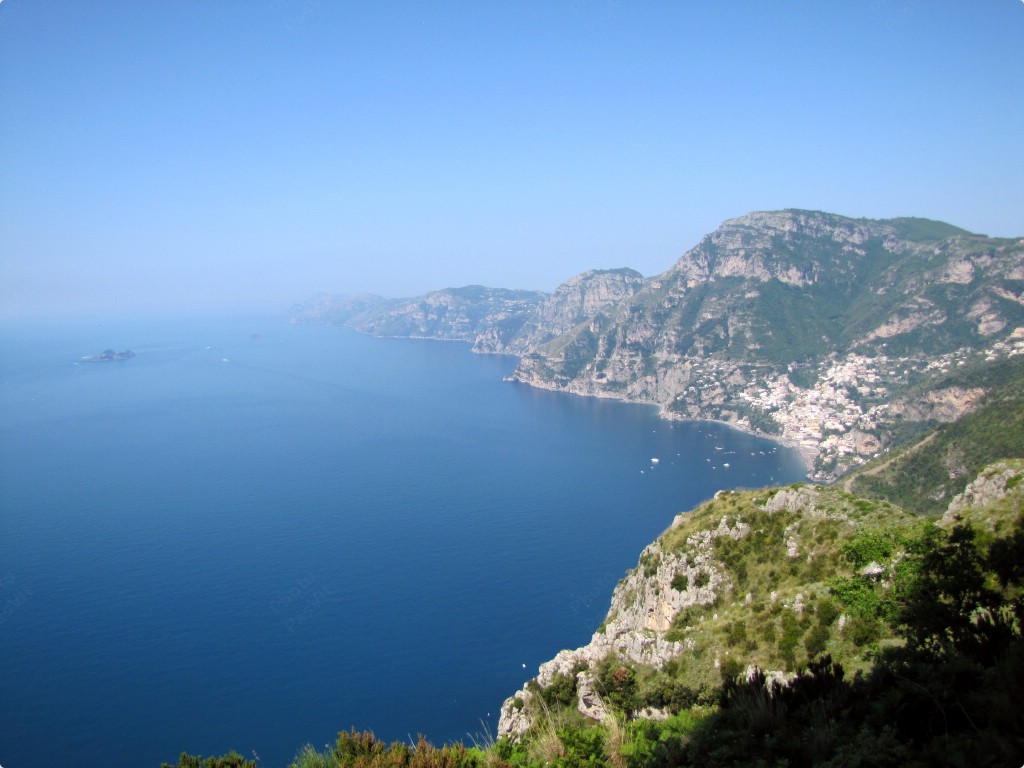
(807,453)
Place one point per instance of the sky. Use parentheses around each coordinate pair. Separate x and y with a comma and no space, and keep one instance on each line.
(246,154)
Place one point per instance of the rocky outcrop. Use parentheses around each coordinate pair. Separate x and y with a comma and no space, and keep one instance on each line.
(942,405)
(682,575)
(494,320)
(573,302)
(642,608)
(999,482)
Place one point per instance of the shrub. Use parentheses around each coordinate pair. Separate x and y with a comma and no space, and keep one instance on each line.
(561,691)
(617,683)
(230,760)
(863,630)
(816,640)
(827,611)
(856,594)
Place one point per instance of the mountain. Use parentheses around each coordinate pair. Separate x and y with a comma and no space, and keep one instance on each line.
(574,302)
(892,351)
(839,336)
(494,320)
(914,583)
(925,472)
(806,325)
(457,314)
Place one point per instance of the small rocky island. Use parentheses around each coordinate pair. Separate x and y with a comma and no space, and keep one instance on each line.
(108,355)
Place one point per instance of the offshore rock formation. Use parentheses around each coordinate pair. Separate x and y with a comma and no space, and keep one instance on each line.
(108,355)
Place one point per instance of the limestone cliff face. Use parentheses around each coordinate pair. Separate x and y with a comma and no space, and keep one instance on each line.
(691,589)
(804,325)
(756,315)
(993,500)
(494,320)
(642,608)
(574,301)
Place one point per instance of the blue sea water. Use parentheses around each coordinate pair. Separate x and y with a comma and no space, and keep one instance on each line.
(253,535)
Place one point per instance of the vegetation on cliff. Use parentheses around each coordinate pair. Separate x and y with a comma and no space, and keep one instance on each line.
(924,474)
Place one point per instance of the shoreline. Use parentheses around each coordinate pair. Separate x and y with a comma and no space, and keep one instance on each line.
(806,453)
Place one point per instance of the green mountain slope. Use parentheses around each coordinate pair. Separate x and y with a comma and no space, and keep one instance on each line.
(803,324)
(923,475)
(735,639)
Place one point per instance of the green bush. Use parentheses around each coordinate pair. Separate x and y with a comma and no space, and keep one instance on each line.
(857,594)
(618,685)
(816,640)
(561,691)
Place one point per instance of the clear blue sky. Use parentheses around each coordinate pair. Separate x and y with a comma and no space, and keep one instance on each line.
(236,153)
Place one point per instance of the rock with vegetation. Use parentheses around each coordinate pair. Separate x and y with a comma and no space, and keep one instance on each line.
(926,472)
(472,313)
(805,585)
(754,579)
(874,622)
(575,301)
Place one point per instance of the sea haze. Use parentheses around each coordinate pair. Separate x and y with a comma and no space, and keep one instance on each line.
(252,535)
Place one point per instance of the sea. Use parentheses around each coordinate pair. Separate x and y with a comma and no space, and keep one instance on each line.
(252,534)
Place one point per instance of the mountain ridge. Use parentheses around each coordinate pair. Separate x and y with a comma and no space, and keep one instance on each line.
(819,330)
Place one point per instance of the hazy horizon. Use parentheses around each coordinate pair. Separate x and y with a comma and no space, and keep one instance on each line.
(240,156)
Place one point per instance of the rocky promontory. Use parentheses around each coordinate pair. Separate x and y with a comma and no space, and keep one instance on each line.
(750,580)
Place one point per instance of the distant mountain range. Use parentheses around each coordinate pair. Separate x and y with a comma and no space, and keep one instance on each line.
(840,336)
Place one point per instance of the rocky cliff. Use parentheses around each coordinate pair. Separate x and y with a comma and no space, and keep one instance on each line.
(457,314)
(801,324)
(763,579)
(494,320)
(573,302)
(825,331)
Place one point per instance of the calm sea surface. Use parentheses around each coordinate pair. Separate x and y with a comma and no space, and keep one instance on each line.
(253,535)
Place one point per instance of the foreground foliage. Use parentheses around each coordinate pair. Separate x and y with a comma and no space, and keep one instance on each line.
(364,750)
(230,760)
(948,696)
